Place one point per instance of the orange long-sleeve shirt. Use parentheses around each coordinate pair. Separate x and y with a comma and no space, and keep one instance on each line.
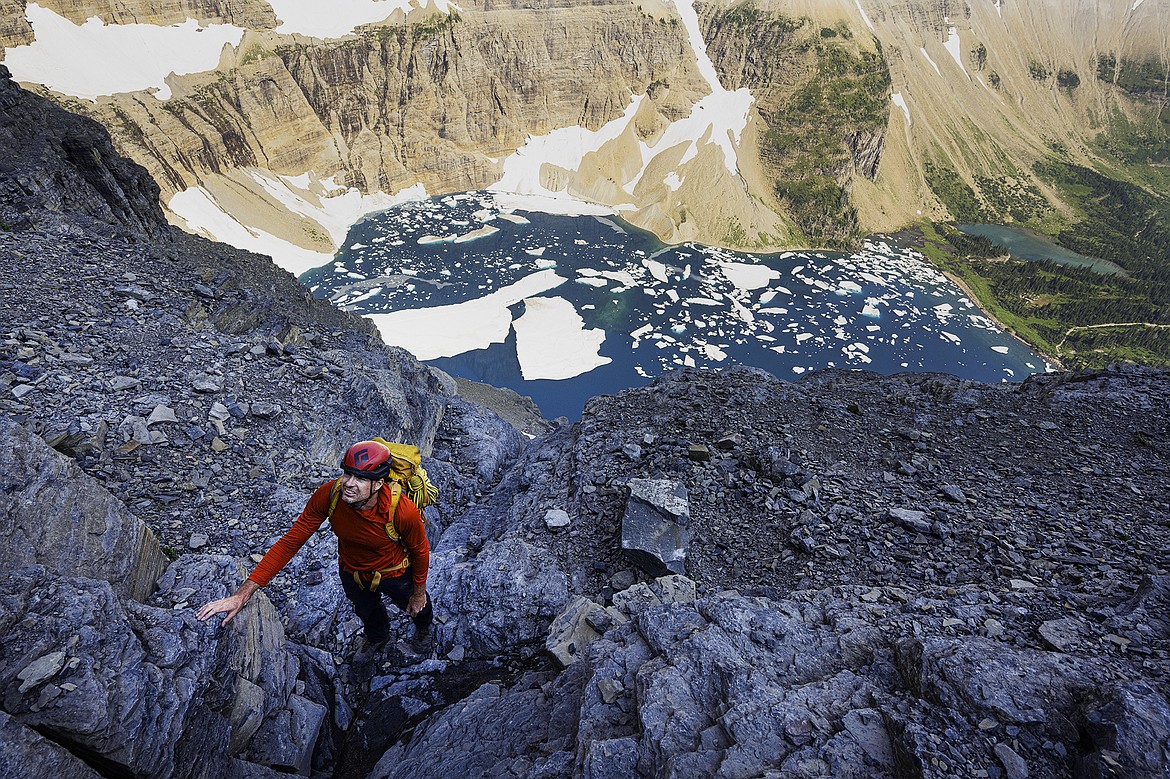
(362,543)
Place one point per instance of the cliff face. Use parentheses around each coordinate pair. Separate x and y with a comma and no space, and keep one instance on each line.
(91,178)
(864,115)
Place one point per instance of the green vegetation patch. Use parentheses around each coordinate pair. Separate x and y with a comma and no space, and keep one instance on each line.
(1013,196)
(1079,316)
(1148,78)
(821,96)
(955,193)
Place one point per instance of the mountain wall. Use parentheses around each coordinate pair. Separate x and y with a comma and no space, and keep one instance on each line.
(865,116)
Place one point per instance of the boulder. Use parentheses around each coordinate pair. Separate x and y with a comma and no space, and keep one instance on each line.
(502,600)
(53,514)
(654,526)
(25,752)
(580,623)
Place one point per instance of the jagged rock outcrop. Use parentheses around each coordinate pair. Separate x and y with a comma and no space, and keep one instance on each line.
(205,389)
(148,690)
(28,753)
(840,682)
(52,514)
(87,176)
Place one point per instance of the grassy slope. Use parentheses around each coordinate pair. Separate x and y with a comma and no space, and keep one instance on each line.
(1120,212)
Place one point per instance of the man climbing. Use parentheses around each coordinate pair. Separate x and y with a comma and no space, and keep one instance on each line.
(382,546)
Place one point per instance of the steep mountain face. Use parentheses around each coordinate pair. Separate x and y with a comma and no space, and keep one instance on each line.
(92,180)
(885,576)
(864,116)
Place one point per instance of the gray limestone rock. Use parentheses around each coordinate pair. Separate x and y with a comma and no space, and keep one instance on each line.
(654,526)
(911,519)
(504,598)
(555,518)
(25,752)
(52,514)
(581,622)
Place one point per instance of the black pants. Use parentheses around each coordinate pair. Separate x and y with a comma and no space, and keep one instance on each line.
(372,612)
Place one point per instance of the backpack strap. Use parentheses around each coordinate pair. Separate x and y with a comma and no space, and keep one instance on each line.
(334,496)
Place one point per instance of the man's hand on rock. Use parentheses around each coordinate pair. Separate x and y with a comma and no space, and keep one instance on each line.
(230,605)
(417,602)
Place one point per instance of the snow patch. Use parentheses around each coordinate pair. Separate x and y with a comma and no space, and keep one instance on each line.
(337,18)
(928,59)
(954,46)
(901,103)
(118,57)
(864,17)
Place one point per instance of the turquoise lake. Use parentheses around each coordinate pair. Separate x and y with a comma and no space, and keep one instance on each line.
(1028,245)
(562,308)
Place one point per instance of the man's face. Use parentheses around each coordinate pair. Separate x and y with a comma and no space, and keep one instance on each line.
(356,491)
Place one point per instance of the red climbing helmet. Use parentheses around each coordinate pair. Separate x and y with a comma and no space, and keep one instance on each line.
(367,459)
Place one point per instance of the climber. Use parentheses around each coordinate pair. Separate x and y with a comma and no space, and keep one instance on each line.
(378,554)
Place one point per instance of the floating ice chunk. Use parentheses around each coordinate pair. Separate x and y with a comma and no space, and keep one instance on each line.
(553,343)
(798,369)
(747,276)
(950,337)
(642,331)
(543,263)
(593,282)
(445,331)
(870,310)
(358,246)
(370,293)
(513,218)
(657,269)
(622,277)
(580,242)
(1000,349)
(847,287)
(802,337)
(427,239)
(482,232)
(535,252)
(713,352)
